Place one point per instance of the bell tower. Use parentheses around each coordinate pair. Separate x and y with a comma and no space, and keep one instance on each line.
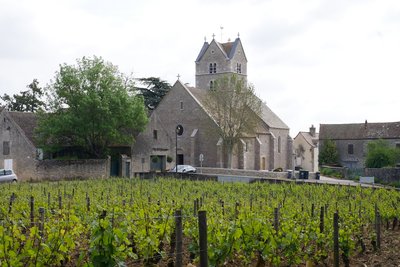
(217,59)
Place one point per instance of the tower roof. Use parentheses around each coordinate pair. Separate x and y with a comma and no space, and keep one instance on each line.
(228,48)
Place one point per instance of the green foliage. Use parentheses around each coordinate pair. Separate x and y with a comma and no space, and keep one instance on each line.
(91,107)
(136,225)
(380,154)
(235,108)
(153,92)
(169,159)
(328,153)
(25,101)
(331,173)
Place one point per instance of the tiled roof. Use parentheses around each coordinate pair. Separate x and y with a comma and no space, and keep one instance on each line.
(360,131)
(311,140)
(27,121)
(228,48)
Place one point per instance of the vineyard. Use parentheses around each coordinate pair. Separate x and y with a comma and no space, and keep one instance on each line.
(132,222)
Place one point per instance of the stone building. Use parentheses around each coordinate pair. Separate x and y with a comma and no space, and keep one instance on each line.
(155,148)
(352,139)
(306,150)
(17,146)
(19,151)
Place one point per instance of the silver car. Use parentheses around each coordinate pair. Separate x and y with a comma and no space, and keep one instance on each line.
(184,169)
(8,176)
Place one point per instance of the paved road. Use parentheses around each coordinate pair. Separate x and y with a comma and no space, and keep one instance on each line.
(328,180)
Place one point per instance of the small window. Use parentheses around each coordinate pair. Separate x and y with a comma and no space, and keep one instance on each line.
(181,105)
(155,134)
(211,84)
(246,147)
(211,68)
(215,68)
(350,149)
(6,148)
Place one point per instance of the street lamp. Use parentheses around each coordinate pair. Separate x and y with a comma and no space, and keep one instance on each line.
(178,131)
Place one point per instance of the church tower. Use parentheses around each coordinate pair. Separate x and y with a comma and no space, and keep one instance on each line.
(217,59)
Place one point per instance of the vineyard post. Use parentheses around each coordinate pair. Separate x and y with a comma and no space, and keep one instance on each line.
(32,204)
(236,210)
(59,201)
(312,210)
(378,228)
(48,200)
(321,220)
(178,236)
(276,220)
(194,207)
(41,218)
(12,197)
(88,203)
(336,239)
(203,238)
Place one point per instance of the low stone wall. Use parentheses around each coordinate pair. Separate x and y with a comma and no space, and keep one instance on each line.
(72,169)
(239,172)
(384,175)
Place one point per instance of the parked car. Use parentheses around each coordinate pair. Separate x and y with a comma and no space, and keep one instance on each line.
(184,169)
(8,176)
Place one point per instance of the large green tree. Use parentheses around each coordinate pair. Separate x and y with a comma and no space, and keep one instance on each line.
(236,110)
(26,101)
(380,154)
(328,154)
(91,106)
(153,89)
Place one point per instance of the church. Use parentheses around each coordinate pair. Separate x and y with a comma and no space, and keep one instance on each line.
(159,148)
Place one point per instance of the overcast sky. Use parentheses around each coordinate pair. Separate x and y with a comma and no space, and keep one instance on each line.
(311,61)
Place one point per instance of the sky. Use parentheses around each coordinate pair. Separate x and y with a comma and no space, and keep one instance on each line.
(312,61)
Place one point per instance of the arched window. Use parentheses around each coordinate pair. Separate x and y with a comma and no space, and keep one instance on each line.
(279,144)
(211,68)
(215,67)
(211,84)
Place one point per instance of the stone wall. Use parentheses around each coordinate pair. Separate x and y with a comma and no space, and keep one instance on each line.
(237,172)
(71,169)
(384,175)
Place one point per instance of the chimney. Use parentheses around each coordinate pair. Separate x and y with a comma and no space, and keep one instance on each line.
(312,131)
(366,124)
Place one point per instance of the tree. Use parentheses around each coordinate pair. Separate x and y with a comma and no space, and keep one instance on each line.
(155,89)
(236,110)
(25,101)
(380,154)
(91,106)
(329,153)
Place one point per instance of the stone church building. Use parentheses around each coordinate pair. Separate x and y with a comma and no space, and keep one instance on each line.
(199,144)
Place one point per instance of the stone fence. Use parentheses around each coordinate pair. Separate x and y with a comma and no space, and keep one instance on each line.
(384,175)
(72,169)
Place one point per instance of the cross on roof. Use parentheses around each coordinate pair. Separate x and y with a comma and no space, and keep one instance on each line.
(213,36)
(178,76)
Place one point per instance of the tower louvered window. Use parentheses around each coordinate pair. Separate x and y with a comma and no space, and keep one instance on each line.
(238,68)
(211,68)
(215,68)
